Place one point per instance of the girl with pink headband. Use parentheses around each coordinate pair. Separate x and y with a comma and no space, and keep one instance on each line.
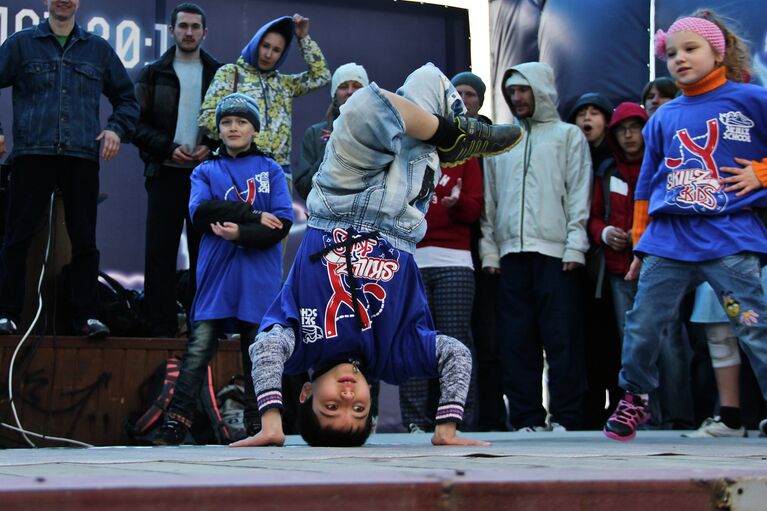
(704,170)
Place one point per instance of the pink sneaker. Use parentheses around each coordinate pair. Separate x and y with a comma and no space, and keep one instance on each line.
(628,416)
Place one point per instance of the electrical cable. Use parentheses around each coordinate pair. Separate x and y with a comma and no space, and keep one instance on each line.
(19,428)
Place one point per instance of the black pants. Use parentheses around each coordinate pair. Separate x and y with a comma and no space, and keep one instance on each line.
(167,209)
(32,180)
(492,410)
(539,311)
(200,349)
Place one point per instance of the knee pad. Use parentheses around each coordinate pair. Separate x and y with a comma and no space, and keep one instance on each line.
(722,345)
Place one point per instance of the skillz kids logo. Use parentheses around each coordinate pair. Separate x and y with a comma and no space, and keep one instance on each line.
(256,184)
(694,178)
(693,182)
(369,269)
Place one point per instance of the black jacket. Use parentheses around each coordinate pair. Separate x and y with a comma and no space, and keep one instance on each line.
(157,90)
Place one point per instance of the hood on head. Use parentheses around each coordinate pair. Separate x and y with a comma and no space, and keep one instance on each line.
(541,79)
(596,99)
(622,112)
(283,26)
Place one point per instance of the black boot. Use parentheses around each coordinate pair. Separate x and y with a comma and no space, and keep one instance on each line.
(172,432)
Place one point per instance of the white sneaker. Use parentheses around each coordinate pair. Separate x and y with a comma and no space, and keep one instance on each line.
(716,428)
(415,428)
(557,427)
(763,428)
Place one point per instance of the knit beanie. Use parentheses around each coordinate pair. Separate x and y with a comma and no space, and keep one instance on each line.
(347,72)
(241,106)
(704,28)
(473,81)
(594,99)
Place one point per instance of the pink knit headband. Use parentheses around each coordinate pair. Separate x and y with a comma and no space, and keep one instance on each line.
(704,28)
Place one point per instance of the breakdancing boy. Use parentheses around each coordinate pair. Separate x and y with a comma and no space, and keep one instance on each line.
(353,308)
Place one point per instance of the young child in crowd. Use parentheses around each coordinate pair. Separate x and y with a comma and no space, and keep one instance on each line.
(658,92)
(592,113)
(353,308)
(703,172)
(257,74)
(240,202)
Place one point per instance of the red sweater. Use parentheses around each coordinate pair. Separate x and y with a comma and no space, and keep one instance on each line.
(621,196)
(450,227)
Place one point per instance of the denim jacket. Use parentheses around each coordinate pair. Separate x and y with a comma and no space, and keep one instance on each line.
(57,91)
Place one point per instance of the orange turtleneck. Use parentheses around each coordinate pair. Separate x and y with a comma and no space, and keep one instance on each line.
(711,81)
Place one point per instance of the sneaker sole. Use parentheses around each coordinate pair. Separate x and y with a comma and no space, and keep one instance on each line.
(449,165)
(610,434)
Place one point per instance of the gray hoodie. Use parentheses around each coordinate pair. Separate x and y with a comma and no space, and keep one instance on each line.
(537,196)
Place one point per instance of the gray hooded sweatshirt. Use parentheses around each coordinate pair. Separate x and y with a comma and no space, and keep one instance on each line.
(537,196)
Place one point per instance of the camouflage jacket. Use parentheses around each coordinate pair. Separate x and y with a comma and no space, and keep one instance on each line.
(274,92)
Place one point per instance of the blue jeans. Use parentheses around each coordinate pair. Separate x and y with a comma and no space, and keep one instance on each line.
(662,286)
(671,403)
(373,176)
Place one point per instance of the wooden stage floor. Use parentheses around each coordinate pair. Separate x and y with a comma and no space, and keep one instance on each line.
(535,471)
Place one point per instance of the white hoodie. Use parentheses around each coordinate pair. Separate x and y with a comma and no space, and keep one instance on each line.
(537,196)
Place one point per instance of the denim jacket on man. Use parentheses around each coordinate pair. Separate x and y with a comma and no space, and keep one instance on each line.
(57,92)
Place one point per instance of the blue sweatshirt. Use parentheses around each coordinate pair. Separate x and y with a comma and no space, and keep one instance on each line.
(687,143)
(235,281)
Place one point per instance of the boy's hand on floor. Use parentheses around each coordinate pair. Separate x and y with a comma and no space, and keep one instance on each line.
(445,434)
(270,221)
(262,439)
(228,230)
(271,432)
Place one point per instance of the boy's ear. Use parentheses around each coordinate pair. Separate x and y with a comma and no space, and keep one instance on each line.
(306,392)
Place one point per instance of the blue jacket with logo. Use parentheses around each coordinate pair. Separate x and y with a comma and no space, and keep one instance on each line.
(687,142)
(56,92)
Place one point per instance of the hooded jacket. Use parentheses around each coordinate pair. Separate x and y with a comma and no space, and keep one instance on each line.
(537,194)
(272,90)
(619,179)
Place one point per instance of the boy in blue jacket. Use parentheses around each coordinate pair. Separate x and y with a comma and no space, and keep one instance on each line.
(240,203)
(353,308)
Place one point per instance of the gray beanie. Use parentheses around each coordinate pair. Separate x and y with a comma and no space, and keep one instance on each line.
(241,106)
(346,72)
(473,81)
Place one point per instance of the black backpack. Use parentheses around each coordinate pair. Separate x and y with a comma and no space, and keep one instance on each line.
(156,392)
(121,309)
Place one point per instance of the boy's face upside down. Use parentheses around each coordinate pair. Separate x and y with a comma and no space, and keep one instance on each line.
(341,398)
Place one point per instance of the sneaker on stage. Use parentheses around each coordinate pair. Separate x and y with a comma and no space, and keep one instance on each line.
(763,428)
(630,413)
(714,427)
(478,139)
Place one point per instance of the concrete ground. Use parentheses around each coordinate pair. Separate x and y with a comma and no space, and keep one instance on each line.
(572,470)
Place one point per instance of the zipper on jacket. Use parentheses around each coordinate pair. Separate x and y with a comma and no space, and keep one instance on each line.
(525,164)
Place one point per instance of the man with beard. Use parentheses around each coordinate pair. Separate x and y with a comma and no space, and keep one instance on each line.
(170,92)
(58,72)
